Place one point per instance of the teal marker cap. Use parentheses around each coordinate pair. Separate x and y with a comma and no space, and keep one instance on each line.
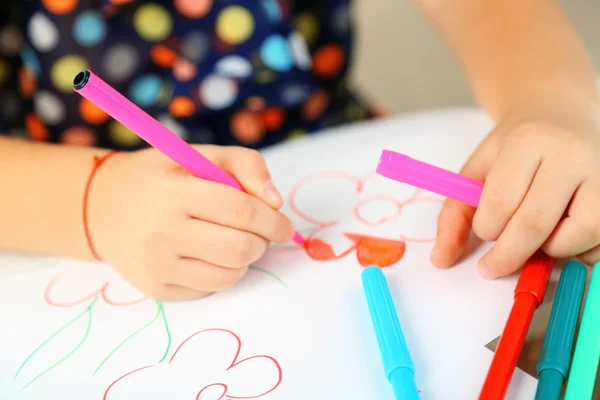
(558,344)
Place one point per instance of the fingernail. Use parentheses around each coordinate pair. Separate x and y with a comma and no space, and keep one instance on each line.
(271,192)
(486,273)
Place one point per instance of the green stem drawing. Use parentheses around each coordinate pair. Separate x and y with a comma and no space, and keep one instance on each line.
(272,275)
(160,311)
(128,338)
(88,312)
(166,324)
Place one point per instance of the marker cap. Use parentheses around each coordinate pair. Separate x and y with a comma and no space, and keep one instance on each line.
(402,168)
(534,277)
(394,351)
(556,352)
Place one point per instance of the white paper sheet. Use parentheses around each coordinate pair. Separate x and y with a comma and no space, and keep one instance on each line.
(294,328)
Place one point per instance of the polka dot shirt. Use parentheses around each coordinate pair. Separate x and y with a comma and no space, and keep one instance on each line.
(235,72)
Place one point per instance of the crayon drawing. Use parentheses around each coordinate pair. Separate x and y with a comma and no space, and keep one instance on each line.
(369,249)
(233,376)
(82,290)
(74,289)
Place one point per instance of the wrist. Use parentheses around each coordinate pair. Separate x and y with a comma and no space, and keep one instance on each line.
(561,103)
(95,207)
(41,201)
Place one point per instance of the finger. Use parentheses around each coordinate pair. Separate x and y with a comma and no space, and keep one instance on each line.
(579,232)
(454,227)
(506,185)
(532,223)
(222,205)
(219,245)
(201,276)
(571,237)
(248,167)
(590,257)
(454,221)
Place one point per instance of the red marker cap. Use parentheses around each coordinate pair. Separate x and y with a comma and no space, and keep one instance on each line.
(534,277)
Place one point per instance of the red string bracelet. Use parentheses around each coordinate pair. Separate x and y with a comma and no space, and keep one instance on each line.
(98,161)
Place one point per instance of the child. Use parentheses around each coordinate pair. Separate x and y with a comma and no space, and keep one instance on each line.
(252,73)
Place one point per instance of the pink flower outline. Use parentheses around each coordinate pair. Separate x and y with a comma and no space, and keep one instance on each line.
(101,289)
(236,361)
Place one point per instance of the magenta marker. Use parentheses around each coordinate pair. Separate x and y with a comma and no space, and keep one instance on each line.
(402,168)
(90,86)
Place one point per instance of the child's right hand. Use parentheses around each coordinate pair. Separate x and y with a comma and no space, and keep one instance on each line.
(175,236)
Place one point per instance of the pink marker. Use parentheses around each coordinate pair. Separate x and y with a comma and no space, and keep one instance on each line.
(402,168)
(127,113)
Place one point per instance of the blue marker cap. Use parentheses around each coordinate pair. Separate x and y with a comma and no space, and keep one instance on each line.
(553,366)
(397,363)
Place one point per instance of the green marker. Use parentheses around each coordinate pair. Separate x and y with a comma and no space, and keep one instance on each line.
(582,377)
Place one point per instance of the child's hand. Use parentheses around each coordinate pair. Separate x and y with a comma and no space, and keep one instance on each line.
(538,167)
(175,236)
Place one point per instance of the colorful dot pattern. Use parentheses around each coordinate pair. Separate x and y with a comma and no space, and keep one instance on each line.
(236,72)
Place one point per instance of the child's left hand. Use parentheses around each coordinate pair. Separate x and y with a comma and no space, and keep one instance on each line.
(541,169)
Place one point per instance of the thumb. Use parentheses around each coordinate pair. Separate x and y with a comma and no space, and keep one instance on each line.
(249,168)
(455,219)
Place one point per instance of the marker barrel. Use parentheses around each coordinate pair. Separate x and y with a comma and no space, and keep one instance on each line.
(555,358)
(529,294)
(582,377)
(403,382)
(402,168)
(508,349)
(100,93)
(397,362)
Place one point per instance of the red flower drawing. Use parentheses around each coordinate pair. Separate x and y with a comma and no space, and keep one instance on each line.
(206,366)
(371,249)
(79,284)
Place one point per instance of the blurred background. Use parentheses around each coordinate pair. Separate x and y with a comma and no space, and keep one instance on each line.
(402,63)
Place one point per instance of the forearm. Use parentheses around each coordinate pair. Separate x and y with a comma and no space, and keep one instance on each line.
(41,197)
(513,51)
